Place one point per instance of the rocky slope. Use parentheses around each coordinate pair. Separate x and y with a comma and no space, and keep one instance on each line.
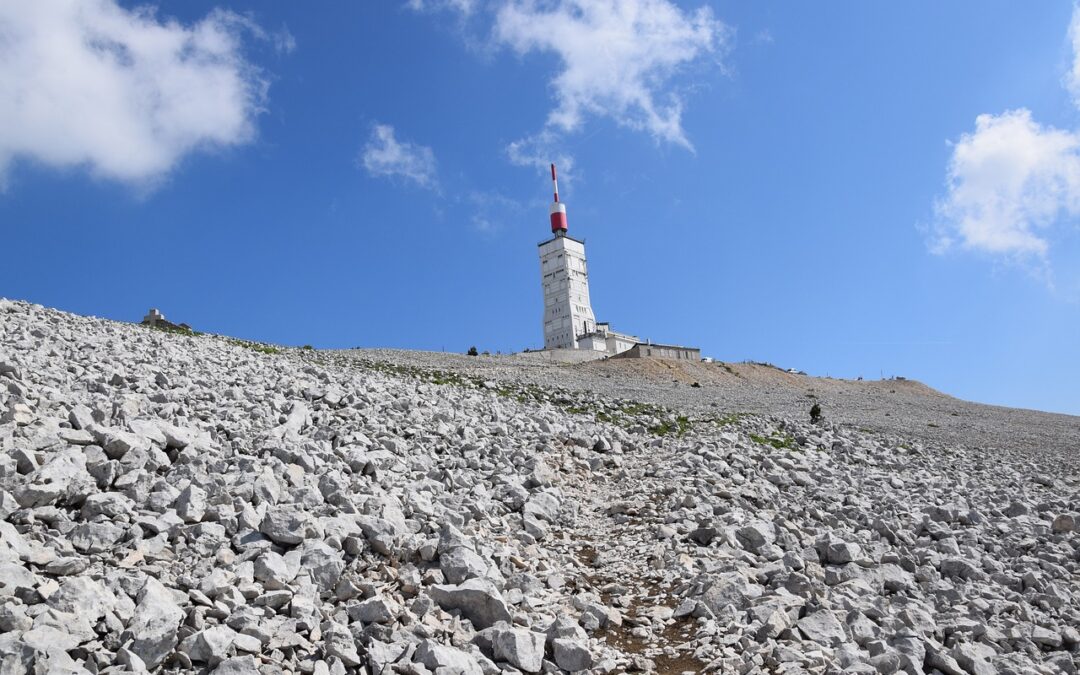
(896,406)
(193,503)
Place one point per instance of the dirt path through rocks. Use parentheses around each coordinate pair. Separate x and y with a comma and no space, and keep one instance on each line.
(615,543)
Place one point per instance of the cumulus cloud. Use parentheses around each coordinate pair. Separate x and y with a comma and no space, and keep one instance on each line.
(121,92)
(1013,183)
(385,156)
(617,57)
(1008,182)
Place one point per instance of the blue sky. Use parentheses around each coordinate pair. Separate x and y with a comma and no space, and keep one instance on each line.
(852,189)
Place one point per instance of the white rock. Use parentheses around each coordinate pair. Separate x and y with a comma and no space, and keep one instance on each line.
(83,596)
(519,647)
(730,588)
(96,537)
(323,564)
(191,504)
(288,524)
(47,639)
(210,646)
(477,599)
(460,564)
(62,478)
(238,665)
(374,610)
(442,659)
(338,642)
(275,570)
(756,534)
(571,655)
(154,624)
(822,627)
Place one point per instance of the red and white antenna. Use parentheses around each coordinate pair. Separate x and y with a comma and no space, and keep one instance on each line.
(558,209)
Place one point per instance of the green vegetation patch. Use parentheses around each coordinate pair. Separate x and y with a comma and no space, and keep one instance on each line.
(178,330)
(260,347)
(622,413)
(728,420)
(678,427)
(254,346)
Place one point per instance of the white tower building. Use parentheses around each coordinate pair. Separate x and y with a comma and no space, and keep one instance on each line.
(568,314)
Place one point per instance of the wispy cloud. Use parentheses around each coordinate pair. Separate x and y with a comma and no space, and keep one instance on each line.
(465,7)
(385,156)
(283,40)
(1072,77)
(1012,183)
(617,57)
(122,92)
(764,37)
(492,212)
(540,150)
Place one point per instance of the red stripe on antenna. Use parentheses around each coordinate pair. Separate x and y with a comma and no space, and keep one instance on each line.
(558,211)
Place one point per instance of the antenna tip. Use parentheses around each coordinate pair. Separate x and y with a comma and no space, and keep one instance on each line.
(552,171)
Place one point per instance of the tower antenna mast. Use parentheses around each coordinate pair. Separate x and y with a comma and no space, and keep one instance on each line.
(558,209)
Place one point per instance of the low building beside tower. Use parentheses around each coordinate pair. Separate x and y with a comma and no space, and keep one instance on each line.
(650,350)
(603,339)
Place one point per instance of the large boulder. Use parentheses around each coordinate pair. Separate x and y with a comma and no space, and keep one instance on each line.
(478,600)
(277,571)
(521,648)
(288,524)
(823,628)
(62,479)
(83,596)
(210,646)
(443,659)
(571,655)
(730,588)
(323,564)
(756,534)
(154,625)
(461,564)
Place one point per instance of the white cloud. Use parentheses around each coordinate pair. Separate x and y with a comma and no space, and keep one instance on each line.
(539,151)
(87,83)
(1008,184)
(283,40)
(764,37)
(492,212)
(617,57)
(384,155)
(464,6)
(1013,183)
(1072,78)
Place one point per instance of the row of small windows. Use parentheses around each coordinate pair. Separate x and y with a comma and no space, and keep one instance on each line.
(569,273)
(580,309)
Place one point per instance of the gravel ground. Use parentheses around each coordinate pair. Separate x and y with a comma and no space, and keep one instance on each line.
(895,406)
(185,503)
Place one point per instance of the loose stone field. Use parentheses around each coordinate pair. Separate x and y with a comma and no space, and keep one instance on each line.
(192,503)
